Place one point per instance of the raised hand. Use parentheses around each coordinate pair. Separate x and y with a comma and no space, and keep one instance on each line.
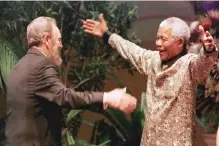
(207,39)
(96,28)
(119,99)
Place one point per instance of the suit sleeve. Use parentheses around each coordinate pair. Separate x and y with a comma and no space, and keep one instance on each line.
(49,86)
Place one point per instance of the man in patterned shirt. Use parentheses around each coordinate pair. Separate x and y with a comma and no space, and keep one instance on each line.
(173,75)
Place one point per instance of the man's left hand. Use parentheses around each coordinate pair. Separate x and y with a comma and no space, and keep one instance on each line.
(207,39)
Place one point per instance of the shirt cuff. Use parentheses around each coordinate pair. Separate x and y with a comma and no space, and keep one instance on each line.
(106,36)
(98,97)
(209,52)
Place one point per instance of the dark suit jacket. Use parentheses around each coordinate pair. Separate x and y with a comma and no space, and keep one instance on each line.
(34,99)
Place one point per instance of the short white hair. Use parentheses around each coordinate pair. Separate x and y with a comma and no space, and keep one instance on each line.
(37,28)
(178,26)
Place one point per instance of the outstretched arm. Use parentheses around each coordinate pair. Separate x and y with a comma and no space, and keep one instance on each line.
(202,65)
(49,86)
(138,56)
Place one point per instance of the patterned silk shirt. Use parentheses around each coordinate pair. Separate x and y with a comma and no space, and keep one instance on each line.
(170,111)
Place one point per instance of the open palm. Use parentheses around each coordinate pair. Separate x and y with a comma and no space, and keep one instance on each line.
(96,28)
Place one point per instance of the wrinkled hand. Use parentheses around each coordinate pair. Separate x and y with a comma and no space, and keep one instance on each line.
(119,99)
(207,39)
(94,27)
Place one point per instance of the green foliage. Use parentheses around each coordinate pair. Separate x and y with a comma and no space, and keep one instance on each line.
(120,131)
(207,106)
(95,61)
(87,62)
(8,59)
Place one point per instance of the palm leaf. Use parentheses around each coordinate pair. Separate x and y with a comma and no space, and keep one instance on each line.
(143,103)
(68,139)
(7,61)
(106,134)
(138,115)
(72,114)
(104,143)
(120,121)
(82,143)
(2,84)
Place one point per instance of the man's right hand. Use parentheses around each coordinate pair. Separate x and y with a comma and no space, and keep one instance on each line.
(96,28)
(119,99)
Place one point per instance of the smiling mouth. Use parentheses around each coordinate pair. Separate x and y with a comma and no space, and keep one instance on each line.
(162,51)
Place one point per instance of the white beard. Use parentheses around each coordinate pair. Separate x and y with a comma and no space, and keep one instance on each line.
(56,57)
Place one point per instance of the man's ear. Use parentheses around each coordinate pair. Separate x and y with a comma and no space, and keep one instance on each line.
(46,39)
(181,42)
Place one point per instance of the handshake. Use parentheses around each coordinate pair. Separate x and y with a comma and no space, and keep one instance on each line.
(119,99)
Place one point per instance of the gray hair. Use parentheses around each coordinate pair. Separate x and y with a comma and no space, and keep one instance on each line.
(37,29)
(178,26)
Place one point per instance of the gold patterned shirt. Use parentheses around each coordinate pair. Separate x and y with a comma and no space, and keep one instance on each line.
(170,113)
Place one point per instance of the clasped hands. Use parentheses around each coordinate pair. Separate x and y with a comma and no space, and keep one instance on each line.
(119,99)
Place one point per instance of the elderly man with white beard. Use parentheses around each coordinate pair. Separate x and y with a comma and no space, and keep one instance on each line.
(36,95)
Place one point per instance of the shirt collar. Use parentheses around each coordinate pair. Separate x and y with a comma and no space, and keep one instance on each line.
(170,62)
(41,52)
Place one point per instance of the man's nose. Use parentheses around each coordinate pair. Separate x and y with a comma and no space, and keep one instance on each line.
(158,43)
